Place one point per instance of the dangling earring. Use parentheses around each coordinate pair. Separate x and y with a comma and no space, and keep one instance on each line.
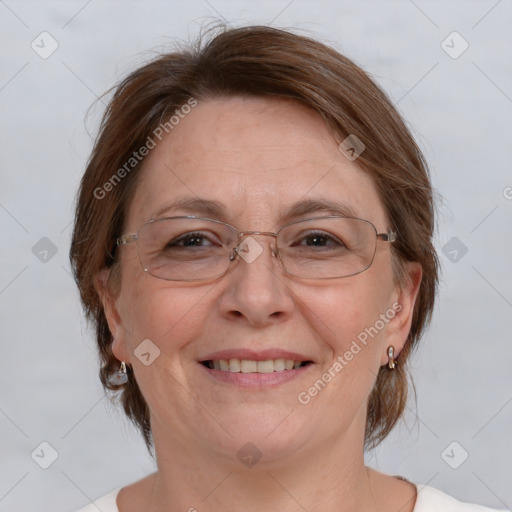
(120,377)
(391,357)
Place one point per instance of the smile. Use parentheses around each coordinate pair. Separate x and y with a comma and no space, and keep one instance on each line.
(253,366)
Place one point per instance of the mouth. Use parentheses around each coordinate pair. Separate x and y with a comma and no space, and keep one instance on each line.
(235,365)
(255,370)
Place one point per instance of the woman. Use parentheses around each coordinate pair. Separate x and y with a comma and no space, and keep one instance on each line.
(253,242)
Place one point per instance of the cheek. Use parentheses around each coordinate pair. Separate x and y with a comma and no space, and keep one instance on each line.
(348,317)
(165,312)
(344,318)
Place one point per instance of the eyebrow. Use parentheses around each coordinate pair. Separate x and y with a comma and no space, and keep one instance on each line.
(217,210)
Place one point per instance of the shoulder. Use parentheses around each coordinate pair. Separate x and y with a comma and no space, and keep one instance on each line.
(106,504)
(129,497)
(433,500)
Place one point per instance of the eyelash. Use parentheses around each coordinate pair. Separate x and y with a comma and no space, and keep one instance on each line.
(185,236)
(200,235)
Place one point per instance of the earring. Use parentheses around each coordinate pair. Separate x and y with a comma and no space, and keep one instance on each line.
(120,377)
(391,357)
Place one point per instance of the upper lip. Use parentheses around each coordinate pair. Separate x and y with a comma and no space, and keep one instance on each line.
(252,355)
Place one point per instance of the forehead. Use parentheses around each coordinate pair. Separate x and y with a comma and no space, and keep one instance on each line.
(253,159)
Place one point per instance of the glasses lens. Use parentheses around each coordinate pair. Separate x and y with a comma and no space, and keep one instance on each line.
(184,249)
(327,247)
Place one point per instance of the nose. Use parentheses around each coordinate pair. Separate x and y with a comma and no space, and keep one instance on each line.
(256,289)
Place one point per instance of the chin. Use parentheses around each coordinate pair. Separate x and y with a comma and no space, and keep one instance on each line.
(260,435)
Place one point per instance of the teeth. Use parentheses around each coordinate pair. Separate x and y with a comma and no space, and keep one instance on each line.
(279,365)
(250,366)
(234,365)
(266,366)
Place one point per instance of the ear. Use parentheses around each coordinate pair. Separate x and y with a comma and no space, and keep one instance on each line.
(109,301)
(404,299)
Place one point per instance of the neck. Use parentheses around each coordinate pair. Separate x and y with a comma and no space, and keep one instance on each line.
(330,477)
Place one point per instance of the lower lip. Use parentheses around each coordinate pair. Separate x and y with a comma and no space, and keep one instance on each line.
(256,380)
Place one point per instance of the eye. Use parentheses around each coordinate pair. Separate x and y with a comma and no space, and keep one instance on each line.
(193,239)
(320,239)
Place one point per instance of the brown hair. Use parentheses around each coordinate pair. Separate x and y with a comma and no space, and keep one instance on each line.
(265,62)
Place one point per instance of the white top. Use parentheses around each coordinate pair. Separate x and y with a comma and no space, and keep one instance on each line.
(428,500)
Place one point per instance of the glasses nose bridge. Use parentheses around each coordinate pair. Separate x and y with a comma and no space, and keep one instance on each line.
(264,233)
(243,234)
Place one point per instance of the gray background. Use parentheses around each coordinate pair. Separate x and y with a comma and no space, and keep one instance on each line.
(458,108)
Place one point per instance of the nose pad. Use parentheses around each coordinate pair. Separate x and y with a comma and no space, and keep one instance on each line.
(249,249)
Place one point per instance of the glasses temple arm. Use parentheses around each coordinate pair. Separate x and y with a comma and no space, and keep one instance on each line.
(387,237)
(126,239)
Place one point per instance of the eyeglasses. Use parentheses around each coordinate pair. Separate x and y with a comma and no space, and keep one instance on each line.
(192,248)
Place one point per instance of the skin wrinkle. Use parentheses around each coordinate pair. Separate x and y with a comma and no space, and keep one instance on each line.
(255,305)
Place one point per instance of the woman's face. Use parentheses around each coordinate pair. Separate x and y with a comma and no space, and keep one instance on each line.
(258,158)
